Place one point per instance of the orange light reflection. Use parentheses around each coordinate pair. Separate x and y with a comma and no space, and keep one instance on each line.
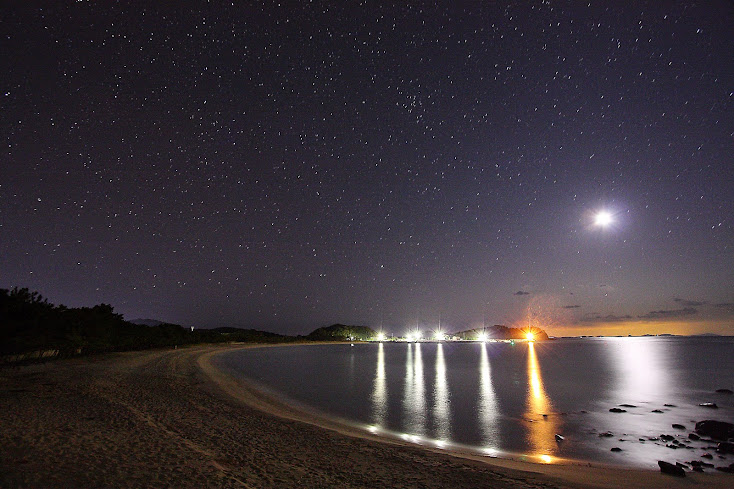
(542,429)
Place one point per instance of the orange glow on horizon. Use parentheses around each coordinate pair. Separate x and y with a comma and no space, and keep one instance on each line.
(639,328)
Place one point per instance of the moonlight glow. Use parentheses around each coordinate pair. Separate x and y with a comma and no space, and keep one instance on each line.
(603,219)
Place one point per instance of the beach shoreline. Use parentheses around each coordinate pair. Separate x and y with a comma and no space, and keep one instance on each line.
(172,418)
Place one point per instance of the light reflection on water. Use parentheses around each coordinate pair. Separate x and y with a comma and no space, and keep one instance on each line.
(643,374)
(645,383)
(379,392)
(488,411)
(441,408)
(543,425)
(414,400)
(493,396)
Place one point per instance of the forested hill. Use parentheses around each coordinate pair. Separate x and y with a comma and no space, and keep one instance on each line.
(500,332)
(342,332)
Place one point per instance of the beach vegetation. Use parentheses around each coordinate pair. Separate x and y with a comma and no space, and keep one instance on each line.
(32,328)
(500,332)
(343,332)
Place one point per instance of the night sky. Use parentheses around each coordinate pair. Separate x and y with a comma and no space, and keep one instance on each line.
(284,167)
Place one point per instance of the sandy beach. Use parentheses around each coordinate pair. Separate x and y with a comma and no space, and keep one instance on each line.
(170,419)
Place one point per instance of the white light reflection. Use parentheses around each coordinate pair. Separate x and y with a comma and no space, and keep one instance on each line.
(441,411)
(411,438)
(643,373)
(379,389)
(414,401)
(488,409)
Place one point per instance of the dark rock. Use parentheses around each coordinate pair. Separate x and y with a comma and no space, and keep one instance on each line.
(616,449)
(670,405)
(678,426)
(642,440)
(729,469)
(710,405)
(693,436)
(668,468)
(667,437)
(698,463)
(725,447)
(724,391)
(682,466)
(697,469)
(721,430)
(707,455)
(674,447)
(656,411)
(617,410)
(628,405)
(606,434)
(653,438)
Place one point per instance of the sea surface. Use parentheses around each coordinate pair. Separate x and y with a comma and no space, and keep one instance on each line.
(500,399)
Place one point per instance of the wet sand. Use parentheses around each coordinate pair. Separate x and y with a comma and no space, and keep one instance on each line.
(170,419)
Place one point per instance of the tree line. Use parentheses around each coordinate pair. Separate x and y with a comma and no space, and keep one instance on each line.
(32,327)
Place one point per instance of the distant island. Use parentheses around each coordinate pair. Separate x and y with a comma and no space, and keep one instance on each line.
(32,328)
(343,332)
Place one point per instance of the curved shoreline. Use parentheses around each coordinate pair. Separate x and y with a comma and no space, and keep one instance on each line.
(169,418)
(587,474)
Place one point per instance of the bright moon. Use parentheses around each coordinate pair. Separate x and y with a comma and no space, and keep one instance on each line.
(603,219)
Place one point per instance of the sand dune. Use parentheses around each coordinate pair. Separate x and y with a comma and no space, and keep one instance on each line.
(170,419)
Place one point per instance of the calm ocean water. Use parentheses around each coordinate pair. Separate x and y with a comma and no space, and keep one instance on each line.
(511,400)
